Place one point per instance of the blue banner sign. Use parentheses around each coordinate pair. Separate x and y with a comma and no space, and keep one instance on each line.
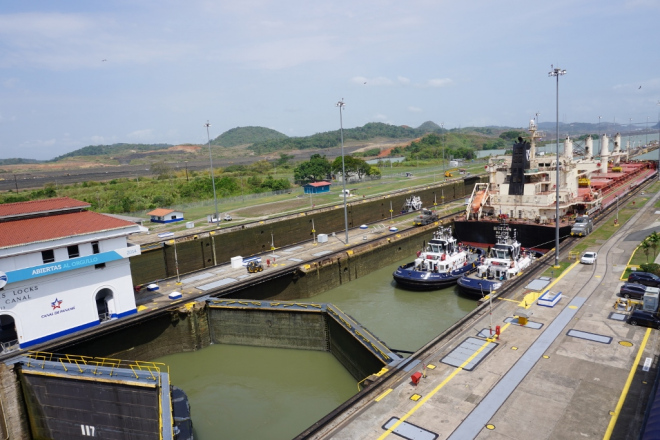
(14,276)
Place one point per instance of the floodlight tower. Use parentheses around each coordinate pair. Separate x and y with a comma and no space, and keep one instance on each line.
(215,199)
(341,106)
(556,72)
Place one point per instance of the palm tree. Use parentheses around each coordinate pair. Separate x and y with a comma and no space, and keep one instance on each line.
(654,240)
(646,248)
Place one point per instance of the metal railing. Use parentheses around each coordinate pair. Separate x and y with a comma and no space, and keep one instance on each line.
(9,346)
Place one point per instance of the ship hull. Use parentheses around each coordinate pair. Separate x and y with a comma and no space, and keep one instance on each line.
(477,288)
(408,278)
(530,235)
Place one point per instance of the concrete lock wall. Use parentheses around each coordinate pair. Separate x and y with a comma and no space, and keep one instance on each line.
(185,329)
(13,420)
(269,328)
(354,356)
(196,253)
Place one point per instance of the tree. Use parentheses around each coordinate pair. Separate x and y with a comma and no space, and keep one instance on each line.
(352,165)
(161,169)
(512,135)
(284,159)
(654,241)
(261,167)
(316,168)
(646,248)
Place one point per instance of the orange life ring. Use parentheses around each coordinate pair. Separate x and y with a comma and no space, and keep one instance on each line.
(443,257)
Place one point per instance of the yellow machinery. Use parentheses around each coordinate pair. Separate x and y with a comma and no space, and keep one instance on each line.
(253,267)
(584,182)
(448,173)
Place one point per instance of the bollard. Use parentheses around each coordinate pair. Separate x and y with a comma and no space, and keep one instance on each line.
(415,378)
(497,332)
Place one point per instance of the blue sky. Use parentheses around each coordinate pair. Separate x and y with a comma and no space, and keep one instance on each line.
(171,65)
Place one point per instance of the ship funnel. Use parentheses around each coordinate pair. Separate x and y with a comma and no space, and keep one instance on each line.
(568,148)
(604,153)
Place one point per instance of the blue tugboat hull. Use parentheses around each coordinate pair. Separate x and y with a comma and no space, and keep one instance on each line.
(408,278)
(471,286)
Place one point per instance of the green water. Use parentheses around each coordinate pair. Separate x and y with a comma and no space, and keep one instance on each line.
(239,392)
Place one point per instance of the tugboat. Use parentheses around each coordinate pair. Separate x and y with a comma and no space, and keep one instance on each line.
(503,262)
(442,263)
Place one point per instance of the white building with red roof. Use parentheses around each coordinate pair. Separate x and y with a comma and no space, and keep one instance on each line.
(162,215)
(62,269)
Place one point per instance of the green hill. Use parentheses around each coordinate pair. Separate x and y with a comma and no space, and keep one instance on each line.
(114,149)
(331,139)
(247,135)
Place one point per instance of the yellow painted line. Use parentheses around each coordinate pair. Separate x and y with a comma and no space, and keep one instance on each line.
(379,398)
(438,388)
(624,392)
(507,299)
(529,299)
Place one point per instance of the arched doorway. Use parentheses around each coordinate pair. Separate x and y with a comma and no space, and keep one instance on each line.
(8,333)
(105,304)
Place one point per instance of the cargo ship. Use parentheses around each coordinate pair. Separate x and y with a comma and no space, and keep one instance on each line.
(522,189)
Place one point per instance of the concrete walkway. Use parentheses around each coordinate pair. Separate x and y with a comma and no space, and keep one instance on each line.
(577,370)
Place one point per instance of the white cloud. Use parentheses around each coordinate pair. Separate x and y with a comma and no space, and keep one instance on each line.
(274,54)
(97,140)
(4,119)
(438,82)
(147,133)
(10,83)
(403,80)
(380,117)
(414,109)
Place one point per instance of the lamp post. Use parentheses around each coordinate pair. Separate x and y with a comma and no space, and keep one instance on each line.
(557,72)
(647,132)
(444,139)
(341,105)
(215,199)
(658,143)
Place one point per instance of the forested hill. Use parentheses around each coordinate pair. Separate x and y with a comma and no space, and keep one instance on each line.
(98,150)
(331,139)
(247,135)
(17,161)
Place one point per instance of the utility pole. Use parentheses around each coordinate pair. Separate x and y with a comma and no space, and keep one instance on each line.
(341,105)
